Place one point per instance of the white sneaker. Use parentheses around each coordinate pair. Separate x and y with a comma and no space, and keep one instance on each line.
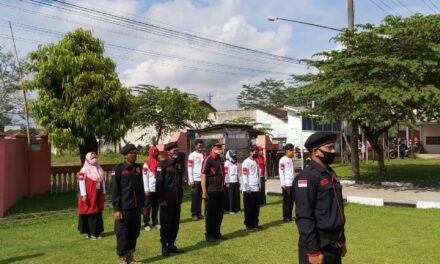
(157,226)
(147,228)
(93,238)
(231,212)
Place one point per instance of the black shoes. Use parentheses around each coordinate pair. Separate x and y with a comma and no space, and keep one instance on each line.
(165,251)
(211,239)
(222,238)
(173,249)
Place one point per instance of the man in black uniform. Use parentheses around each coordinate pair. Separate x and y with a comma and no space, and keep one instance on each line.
(169,191)
(319,206)
(128,200)
(213,190)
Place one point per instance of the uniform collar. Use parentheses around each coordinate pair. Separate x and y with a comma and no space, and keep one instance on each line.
(318,167)
(126,165)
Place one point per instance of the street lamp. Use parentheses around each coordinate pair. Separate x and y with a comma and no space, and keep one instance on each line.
(272,18)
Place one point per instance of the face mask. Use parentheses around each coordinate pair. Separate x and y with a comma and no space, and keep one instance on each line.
(290,154)
(218,151)
(175,156)
(255,155)
(93,161)
(328,157)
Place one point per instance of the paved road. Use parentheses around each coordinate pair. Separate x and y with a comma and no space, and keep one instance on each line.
(397,195)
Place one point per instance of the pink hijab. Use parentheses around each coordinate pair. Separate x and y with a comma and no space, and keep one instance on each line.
(92,169)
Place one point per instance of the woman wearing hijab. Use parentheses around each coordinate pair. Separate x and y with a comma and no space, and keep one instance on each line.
(262,172)
(149,177)
(232,183)
(91,199)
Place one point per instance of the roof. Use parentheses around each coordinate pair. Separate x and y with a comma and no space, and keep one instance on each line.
(253,132)
(280,113)
(207,105)
(298,109)
(13,133)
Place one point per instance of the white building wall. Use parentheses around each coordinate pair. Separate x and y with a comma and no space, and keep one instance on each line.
(278,126)
(430,130)
(295,134)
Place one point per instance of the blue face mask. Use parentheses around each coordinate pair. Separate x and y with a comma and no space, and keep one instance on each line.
(328,158)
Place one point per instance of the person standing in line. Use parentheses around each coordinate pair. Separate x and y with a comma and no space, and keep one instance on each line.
(262,172)
(287,175)
(149,177)
(169,190)
(91,199)
(232,183)
(319,206)
(195,161)
(128,198)
(213,192)
(251,190)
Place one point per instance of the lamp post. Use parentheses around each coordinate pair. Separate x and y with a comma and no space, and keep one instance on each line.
(272,18)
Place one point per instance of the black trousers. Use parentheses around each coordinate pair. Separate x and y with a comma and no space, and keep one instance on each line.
(152,205)
(91,224)
(127,230)
(288,199)
(214,214)
(251,209)
(331,255)
(263,191)
(196,199)
(169,220)
(232,197)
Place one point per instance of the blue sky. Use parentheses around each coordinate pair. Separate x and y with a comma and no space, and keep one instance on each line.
(155,59)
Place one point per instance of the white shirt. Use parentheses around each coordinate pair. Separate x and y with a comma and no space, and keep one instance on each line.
(195,161)
(251,177)
(286,171)
(231,172)
(149,179)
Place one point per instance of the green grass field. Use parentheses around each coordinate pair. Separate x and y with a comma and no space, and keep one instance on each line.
(421,171)
(374,235)
(104,158)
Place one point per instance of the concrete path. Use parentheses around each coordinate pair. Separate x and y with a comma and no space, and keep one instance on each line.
(404,196)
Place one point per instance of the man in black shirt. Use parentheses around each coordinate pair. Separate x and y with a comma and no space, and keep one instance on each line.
(169,191)
(319,206)
(127,199)
(213,190)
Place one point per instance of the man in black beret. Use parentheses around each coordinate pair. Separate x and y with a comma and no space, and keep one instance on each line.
(213,192)
(128,200)
(169,190)
(319,206)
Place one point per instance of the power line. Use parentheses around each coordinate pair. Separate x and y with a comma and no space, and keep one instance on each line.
(159,30)
(434,5)
(400,4)
(378,6)
(389,7)
(426,3)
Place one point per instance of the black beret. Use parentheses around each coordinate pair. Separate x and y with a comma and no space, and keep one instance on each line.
(320,139)
(127,148)
(288,146)
(170,145)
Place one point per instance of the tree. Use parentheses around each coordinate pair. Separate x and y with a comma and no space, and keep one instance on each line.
(267,93)
(80,97)
(384,75)
(167,110)
(250,122)
(10,100)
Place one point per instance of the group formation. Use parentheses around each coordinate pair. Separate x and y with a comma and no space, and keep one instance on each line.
(140,190)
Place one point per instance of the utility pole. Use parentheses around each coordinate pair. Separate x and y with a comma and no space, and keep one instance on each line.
(354,124)
(209,97)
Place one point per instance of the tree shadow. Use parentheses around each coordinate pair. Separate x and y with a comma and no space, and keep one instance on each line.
(109,233)
(20,258)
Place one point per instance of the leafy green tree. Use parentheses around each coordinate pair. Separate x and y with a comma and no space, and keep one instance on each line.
(385,74)
(10,100)
(167,110)
(267,93)
(80,97)
(250,122)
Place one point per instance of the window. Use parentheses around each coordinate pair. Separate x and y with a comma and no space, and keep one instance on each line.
(316,125)
(432,140)
(307,123)
(328,127)
(337,126)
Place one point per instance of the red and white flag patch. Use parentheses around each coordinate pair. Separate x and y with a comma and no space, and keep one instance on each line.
(302,183)
(226,170)
(81,176)
(190,163)
(282,166)
(113,173)
(145,170)
(245,171)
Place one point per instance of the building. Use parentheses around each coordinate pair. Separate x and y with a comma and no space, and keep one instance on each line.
(430,137)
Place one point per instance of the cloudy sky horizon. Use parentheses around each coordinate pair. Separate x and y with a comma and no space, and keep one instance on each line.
(198,46)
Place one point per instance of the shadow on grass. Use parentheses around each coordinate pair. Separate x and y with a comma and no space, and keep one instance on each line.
(20,258)
(203,244)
